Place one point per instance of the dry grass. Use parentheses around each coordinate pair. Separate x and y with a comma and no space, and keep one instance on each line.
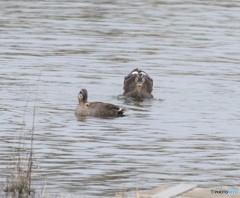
(19,181)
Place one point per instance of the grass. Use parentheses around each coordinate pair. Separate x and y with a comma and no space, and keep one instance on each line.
(19,180)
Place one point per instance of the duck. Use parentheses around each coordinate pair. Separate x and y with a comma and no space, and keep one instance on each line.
(138,84)
(96,109)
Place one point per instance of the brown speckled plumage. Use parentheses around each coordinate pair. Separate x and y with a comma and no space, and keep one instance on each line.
(97,109)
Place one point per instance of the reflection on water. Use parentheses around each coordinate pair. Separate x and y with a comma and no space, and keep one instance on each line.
(188,133)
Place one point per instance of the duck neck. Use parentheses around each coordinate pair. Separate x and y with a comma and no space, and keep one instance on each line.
(81,102)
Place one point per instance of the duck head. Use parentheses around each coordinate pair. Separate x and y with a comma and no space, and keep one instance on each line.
(83,96)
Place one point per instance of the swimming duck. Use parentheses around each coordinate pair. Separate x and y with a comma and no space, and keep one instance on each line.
(97,109)
(138,84)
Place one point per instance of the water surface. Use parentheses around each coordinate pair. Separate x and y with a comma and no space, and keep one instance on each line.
(188,133)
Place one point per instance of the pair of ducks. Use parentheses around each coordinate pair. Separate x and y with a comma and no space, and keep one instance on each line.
(137,84)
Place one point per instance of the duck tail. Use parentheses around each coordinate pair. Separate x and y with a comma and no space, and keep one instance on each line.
(121,111)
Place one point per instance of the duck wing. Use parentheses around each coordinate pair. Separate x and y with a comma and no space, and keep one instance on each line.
(149,83)
(129,83)
(106,109)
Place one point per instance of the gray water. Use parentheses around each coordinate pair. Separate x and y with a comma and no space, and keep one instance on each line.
(190,131)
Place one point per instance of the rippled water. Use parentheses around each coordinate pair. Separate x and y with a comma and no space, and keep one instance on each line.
(188,133)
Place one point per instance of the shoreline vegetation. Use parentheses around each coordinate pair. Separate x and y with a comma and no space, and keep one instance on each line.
(19,181)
